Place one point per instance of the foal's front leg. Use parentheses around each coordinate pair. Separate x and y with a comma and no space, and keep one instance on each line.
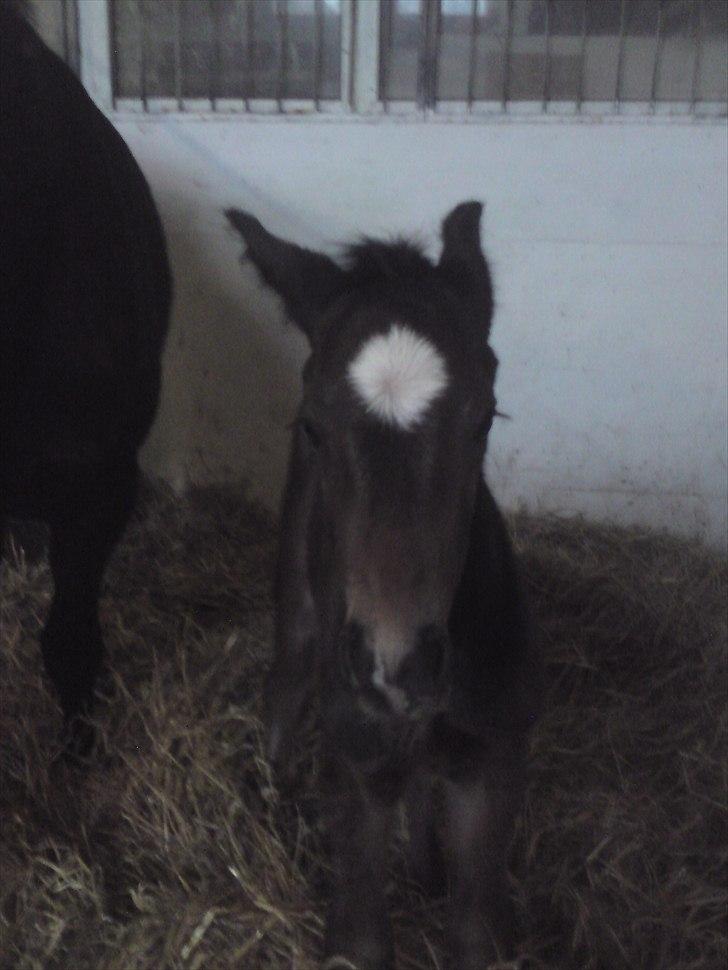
(359,825)
(479,815)
(426,863)
(291,678)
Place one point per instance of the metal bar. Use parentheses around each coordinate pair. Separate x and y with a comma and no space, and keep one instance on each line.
(367,50)
(178,55)
(507,55)
(658,55)
(114,58)
(620,55)
(472,64)
(385,51)
(213,62)
(250,54)
(427,62)
(318,52)
(69,27)
(95,60)
(64,30)
(547,59)
(346,53)
(282,18)
(697,63)
(582,57)
(141,4)
(422,53)
(435,46)
(75,49)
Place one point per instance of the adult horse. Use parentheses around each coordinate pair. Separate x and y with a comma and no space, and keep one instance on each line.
(84,300)
(397,589)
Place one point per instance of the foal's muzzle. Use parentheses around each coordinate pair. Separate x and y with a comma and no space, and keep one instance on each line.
(418,685)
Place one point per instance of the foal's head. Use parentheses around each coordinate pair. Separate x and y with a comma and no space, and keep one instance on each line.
(397,404)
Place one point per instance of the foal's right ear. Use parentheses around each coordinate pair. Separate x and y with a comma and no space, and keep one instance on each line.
(308,282)
(462,260)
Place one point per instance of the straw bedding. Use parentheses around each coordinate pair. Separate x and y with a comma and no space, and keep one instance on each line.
(174,848)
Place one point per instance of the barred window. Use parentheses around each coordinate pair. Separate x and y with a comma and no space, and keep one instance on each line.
(553,51)
(465,57)
(215,49)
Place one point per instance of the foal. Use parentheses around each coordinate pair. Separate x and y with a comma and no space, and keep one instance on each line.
(397,592)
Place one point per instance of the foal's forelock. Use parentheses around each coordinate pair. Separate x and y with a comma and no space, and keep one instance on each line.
(397,375)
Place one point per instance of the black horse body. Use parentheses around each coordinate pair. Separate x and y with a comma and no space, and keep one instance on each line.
(397,590)
(84,303)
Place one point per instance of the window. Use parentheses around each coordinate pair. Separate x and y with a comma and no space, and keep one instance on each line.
(551,51)
(433,57)
(227,49)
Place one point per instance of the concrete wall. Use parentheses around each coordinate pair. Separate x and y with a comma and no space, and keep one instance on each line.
(608,244)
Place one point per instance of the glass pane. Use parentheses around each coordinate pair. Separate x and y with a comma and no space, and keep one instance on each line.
(459,24)
(227,48)
(399,49)
(527,62)
(157,26)
(232,77)
(198,54)
(674,81)
(567,22)
(712,81)
(601,54)
(263,23)
(331,50)
(639,50)
(124,16)
(313,39)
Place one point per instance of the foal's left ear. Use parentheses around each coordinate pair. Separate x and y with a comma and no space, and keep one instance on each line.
(462,260)
(307,281)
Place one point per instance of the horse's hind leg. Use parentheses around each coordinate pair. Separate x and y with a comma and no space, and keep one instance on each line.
(71,642)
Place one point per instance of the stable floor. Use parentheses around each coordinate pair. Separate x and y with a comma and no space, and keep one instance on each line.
(173,848)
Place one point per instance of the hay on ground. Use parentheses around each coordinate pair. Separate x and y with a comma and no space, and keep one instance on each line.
(176,851)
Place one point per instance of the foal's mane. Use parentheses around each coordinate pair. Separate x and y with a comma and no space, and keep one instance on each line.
(369,260)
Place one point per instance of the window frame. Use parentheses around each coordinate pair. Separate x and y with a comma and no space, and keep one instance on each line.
(359,101)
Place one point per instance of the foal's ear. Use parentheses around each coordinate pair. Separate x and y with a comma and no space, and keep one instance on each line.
(307,281)
(462,260)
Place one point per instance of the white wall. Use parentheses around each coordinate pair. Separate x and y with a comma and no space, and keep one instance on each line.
(608,244)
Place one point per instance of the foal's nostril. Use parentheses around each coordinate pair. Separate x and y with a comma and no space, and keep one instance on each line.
(421,671)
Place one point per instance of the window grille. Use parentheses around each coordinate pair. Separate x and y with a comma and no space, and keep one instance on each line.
(412,57)
(223,51)
(547,53)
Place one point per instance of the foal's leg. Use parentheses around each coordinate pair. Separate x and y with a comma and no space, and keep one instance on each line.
(71,641)
(357,927)
(291,678)
(426,863)
(480,814)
